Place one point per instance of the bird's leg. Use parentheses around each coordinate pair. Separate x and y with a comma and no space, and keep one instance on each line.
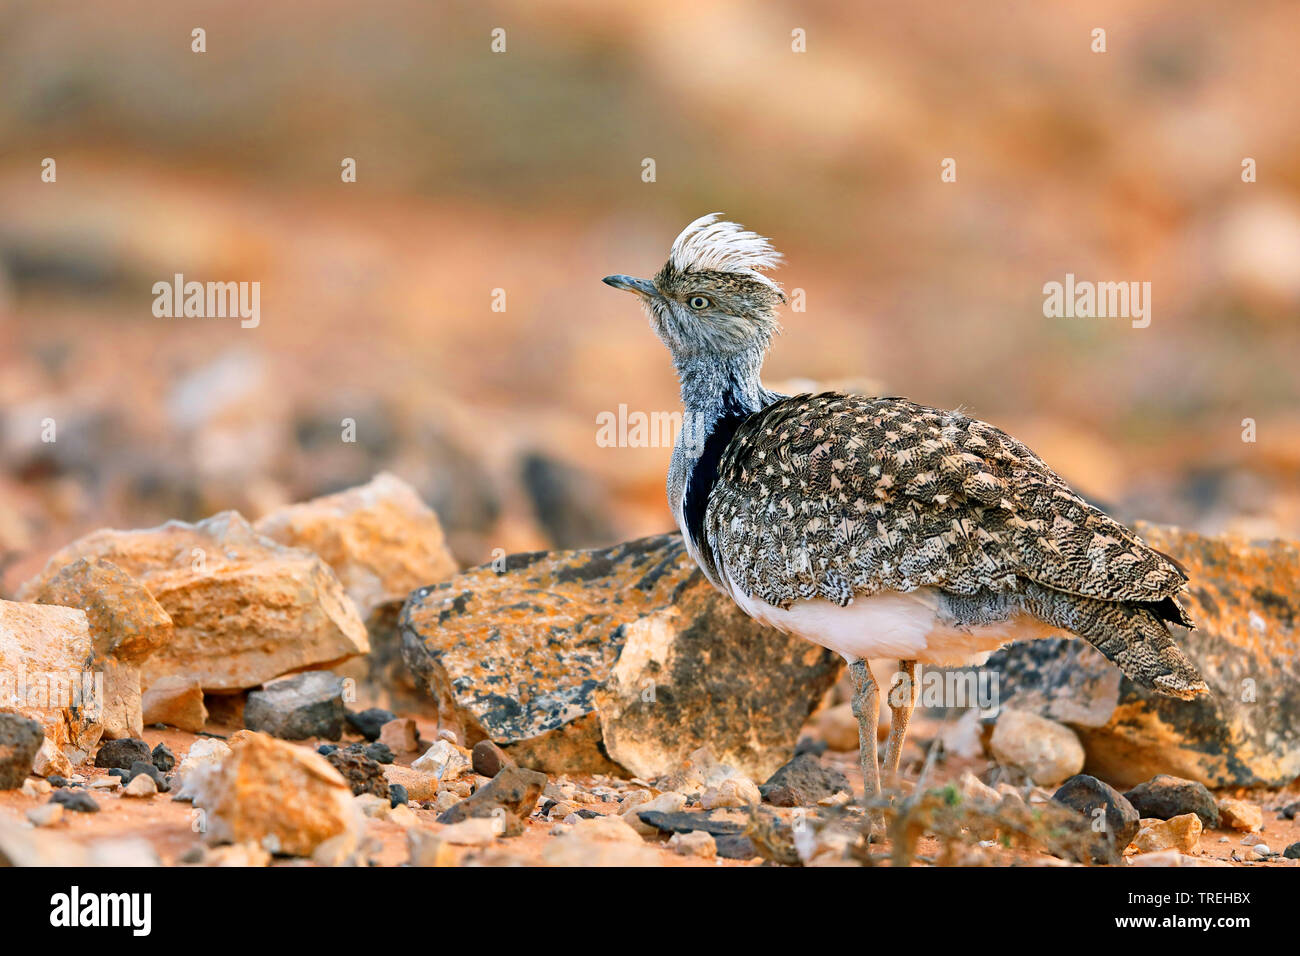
(866,708)
(902,699)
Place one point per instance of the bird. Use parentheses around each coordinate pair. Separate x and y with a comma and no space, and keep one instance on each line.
(878,527)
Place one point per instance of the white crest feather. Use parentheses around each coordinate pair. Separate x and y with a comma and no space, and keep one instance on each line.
(711,245)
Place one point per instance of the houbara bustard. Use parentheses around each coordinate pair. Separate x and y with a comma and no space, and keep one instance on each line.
(877,527)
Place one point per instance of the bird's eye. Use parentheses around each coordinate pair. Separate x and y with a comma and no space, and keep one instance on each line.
(698,302)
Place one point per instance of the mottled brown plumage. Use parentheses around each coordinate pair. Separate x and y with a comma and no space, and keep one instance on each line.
(837,496)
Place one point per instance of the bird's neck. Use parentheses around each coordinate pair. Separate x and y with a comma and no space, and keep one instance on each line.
(713,388)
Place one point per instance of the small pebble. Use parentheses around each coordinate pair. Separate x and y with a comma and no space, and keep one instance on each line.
(1261,850)
(397,794)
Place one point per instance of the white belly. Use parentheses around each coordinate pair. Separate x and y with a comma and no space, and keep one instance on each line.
(905,626)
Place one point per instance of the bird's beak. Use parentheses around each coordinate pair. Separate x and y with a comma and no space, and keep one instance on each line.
(628,284)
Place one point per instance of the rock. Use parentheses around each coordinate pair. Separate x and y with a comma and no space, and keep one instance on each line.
(803,782)
(512,794)
(1245,600)
(46,815)
(732,792)
(51,761)
(244,609)
(839,728)
(1172,858)
(1046,751)
(640,663)
(362,774)
(488,759)
(20,740)
(735,847)
(716,822)
(123,753)
(473,831)
(280,796)
(574,849)
(666,803)
(370,723)
(695,843)
(397,795)
(380,538)
(1108,814)
(110,783)
(419,786)
(1292,852)
(142,769)
(295,708)
(378,752)
(177,702)
(20,845)
(444,760)
(44,677)
(400,736)
(425,847)
(1261,850)
(204,755)
(78,801)
(1181,833)
(1164,797)
(163,758)
(974,790)
(36,788)
(372,806)
(126,626)
(239,854)
(1241,815)
(141,785)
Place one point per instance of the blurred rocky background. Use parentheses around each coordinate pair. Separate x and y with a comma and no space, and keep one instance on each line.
(522,171)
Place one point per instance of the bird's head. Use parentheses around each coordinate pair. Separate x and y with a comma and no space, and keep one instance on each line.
(711,299)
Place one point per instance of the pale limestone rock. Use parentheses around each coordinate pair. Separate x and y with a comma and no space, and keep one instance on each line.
(245,609)
(287,798)
(176,701)
(1046,751)
(45,675)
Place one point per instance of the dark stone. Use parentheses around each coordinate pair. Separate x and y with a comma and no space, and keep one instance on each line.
(1291,810)
(305,705)
(488,759)
(362,774)
(735,847)
(379,753)
(1163,797)
(369,722)
(588,814)
(58,782)
(1085,795)
(77,801)
(514,790)
(803,782)
(682,822)
(807,745)
(123,753)
(1292,852)
(163,758)
(397,794)
(149,770)
(123,775)
(326,749)
(20,739)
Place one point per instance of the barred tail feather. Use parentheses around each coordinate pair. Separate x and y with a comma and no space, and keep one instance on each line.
(1133,635)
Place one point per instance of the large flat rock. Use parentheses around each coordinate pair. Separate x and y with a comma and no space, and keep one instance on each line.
(244,608)
(624,658)
(1245,600)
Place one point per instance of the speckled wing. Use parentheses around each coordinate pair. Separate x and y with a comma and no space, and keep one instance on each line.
(834,495)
